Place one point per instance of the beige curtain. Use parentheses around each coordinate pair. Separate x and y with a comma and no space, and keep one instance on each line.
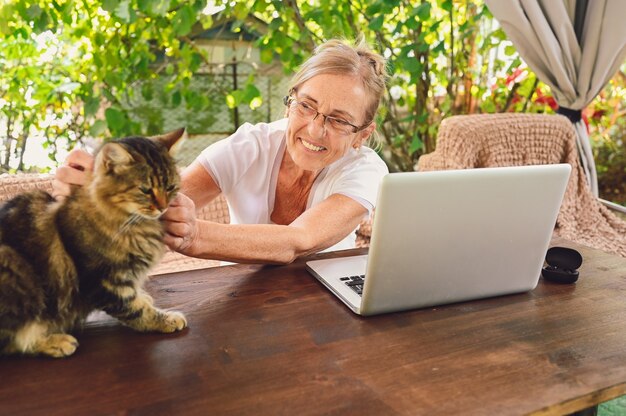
(574,46)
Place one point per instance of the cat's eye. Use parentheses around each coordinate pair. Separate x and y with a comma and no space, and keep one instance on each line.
(145,190)
(170,188)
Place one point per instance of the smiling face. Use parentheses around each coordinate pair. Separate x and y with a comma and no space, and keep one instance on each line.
(313,146)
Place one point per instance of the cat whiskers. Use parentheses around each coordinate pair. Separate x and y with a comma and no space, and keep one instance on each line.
(132,220)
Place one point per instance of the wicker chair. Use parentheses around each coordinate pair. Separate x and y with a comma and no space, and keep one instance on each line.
(11,185)
(484,140)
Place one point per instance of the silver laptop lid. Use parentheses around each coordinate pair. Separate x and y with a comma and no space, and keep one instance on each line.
(447,236)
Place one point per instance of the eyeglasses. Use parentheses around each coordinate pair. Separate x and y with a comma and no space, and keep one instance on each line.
(334,125)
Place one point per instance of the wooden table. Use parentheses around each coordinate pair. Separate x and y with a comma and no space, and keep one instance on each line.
(266,340)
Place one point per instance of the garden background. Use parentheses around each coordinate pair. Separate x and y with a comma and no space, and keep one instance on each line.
(79,72)
(84,71)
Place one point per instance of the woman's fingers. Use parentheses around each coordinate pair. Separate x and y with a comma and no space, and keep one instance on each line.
(70,175)
(80,160)
(60,190)
(75,171)
(179,222)
(177,228)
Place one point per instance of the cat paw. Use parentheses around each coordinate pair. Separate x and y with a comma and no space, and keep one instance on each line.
(57,345)
(173,321)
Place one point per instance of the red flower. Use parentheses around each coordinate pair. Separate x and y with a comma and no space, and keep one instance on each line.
(546,100)
(517,75)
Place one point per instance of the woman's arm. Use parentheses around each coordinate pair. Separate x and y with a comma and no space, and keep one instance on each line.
(317,228)
(198,185)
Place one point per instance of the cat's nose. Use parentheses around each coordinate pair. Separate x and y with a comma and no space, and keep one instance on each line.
(160,200)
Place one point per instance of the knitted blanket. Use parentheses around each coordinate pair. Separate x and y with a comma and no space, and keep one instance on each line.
(474,141)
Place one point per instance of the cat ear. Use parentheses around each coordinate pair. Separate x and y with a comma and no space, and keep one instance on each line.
(112,157)
(172,140)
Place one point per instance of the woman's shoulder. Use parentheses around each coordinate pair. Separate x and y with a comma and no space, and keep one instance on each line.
(364,158)
(262,135)
(356,175)
(274,128)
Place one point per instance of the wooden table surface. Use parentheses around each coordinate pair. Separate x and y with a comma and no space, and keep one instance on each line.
(267,340)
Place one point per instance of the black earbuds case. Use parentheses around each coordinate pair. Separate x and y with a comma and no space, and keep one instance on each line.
(562,265)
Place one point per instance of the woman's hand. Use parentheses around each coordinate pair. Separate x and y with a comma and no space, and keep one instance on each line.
(74,172)
(181,228)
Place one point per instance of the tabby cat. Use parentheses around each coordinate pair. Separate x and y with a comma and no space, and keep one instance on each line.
(61,260)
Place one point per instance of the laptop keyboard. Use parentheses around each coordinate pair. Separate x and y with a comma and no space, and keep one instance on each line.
(355,283)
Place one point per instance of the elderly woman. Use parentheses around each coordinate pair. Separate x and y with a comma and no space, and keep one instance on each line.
(295,186)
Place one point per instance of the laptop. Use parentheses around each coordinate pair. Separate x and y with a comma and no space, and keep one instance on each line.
(450,236)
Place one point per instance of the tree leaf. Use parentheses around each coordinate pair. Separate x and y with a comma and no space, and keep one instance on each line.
(110,5)
(122,11)
(422,11)
(183,20)
(275,24)
(267,55)
(256,102)
(412,23)
(92,104)
(440,48)
(155,7)
(98,128)
(411,64)
(376,23)
(115,118)
(177,98)
(41,22)
(33,12)
(250,92)
(416,144)
(510,50)
(230,101)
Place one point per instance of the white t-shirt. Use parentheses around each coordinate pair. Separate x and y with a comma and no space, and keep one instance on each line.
(245,167)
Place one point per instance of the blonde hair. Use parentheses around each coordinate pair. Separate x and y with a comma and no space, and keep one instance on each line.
(342,58)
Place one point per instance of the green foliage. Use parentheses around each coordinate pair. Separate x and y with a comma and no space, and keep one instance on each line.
(73,68)
(607,126)
(36,89)
(68,67)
